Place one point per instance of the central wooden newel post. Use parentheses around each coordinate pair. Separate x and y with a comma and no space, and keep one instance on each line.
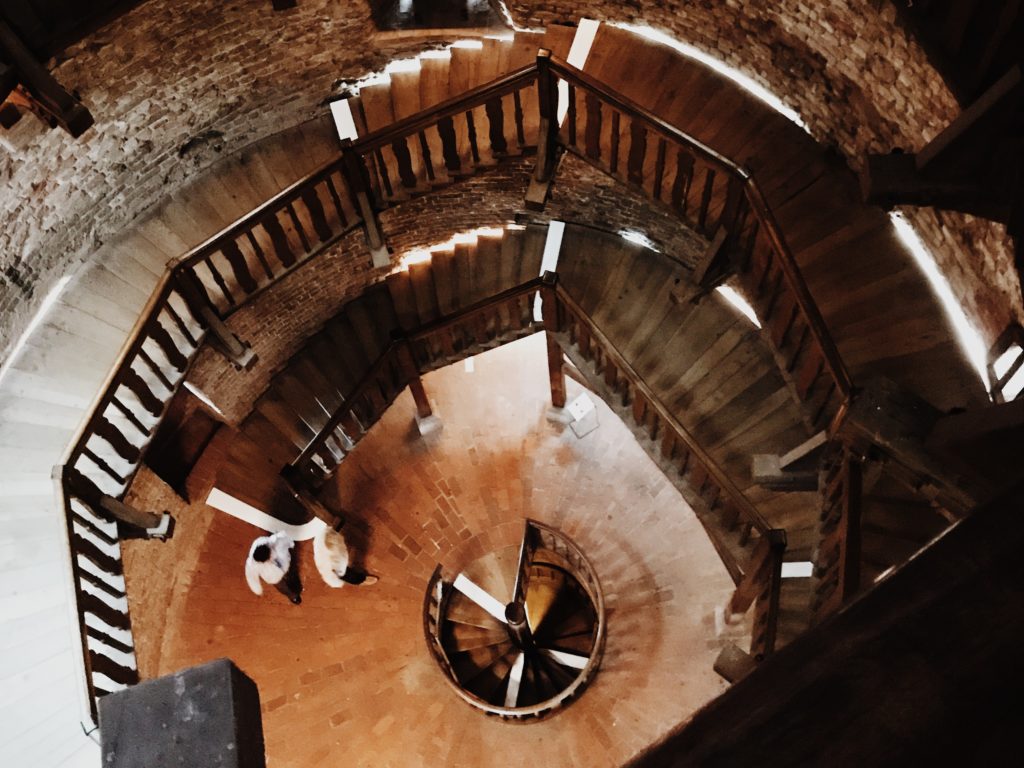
(357,180)
(550,314)
(410,372)
(547,133)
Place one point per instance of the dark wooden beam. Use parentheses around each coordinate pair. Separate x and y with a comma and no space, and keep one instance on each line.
(38,90)
(283,5)
(973,166)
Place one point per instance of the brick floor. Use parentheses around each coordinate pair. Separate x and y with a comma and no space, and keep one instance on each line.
(347,677)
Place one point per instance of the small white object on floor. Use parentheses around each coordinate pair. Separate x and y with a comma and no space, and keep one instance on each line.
(584,415)
(428,424)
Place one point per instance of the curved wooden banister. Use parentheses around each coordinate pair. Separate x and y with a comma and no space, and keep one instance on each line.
(204,286)
(747,510)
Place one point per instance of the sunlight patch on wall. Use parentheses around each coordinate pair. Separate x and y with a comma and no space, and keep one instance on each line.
(970,340)
(733,297)
(743,81)
(421,255)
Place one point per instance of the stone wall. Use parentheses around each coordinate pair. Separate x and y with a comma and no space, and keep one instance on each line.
(859,82)
(171,84)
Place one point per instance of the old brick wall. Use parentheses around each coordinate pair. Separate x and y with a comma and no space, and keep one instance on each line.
(859,82)
(172,84)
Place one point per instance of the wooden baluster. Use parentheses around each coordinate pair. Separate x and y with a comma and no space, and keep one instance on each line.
(103,428)
(705,201)
(592,135)
(570,121)
(637,152)
(683,180)
(471,128)
(317,215)
(449,145)
(517,100)
(659,169)
(496,121)
(613,160)
(239,267)
(260,255)
(427,155)
(138,387)
(339,207)
(145,357)
(218,278)
(299,229)
(406,173)
(130,415)
(279,239)
(182,327)
(81,487)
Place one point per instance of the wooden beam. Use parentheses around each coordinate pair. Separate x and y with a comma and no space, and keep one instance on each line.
(796,470)
(40,92)
(733,663)
(84,489)
(973,165)
(552,325)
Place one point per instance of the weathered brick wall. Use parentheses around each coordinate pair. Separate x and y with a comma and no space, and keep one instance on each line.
(171,84)
(861,84)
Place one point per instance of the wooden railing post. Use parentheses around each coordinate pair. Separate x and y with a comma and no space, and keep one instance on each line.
(81,487)
(354,171)
(292,479)
(550,314)
(411,373)
(547,133)
(839,554)
(233,348)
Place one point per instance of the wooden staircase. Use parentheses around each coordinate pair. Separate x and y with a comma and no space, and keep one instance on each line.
(351,364)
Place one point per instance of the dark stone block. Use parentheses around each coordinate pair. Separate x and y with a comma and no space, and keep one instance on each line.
(203,716)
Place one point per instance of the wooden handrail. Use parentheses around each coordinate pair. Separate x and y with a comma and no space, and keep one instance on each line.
(417,334)
(476,97)
(754,197)
(743,505)
(623,103)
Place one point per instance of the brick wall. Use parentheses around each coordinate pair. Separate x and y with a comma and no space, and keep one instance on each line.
(172,84)
(859,82)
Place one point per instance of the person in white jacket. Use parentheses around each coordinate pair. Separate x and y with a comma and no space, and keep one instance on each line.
(330,553)
(270,560)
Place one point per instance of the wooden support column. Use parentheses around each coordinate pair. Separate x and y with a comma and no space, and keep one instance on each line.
(311,503)
(354,171)
(83,488)
(412,374)
(556,357)
(227,343)
(547,133)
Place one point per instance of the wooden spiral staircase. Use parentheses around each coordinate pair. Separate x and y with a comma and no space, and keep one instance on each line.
(666,357)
